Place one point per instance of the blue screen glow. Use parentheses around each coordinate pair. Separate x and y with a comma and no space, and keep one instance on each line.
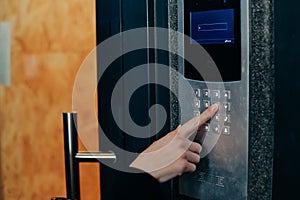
(212,27)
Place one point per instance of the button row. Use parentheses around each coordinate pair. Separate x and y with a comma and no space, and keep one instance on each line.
(218,117)
(225,118)
(206,93)
(215,128)
(207,103)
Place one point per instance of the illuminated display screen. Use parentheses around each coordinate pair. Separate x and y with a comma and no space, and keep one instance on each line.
(216,27)
(212,27)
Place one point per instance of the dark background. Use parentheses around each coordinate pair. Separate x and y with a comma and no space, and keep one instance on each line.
(287,130)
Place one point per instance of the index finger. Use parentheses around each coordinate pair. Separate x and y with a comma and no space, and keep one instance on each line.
(190,127)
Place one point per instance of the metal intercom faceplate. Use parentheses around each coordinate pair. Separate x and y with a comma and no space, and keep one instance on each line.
(221,27)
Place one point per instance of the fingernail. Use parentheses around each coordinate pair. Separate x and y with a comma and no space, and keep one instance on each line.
(214,107)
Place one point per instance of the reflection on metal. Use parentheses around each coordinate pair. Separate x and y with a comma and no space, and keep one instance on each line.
(5,32)
(95,156)
(71,148)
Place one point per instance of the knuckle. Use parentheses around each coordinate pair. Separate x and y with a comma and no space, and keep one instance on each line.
(195,158)
(183,166)
(186,167)
(200,148)
(182,143)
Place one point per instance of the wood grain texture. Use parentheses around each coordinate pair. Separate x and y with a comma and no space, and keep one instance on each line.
(49,41)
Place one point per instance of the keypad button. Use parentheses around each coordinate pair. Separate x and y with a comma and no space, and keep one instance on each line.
(226,130)
(196,113)
(206,93)
(215,128)
(201,132)
(226,106)
(217,118)
(227,94)
(227,118)
(198,92)
(197,103)
(216,93)
(204,128)
(206,103)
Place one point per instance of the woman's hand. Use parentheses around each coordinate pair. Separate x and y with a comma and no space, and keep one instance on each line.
(174,154)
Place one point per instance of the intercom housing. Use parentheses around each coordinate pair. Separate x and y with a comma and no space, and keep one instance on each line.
(221,28)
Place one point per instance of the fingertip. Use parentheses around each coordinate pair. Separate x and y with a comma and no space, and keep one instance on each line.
(198,147)
(193,167)
(190,167)
(211,111)
(214,107)
(199,158)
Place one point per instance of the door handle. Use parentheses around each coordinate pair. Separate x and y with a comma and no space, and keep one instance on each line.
(95,156)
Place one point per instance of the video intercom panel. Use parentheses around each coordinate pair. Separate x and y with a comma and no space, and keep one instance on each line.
(221,28)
